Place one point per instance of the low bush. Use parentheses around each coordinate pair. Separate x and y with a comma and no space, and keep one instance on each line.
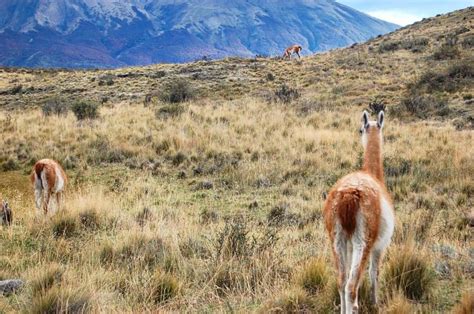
(446,52)
(286,94)
(451,79)
(85,110)
(425,106)
(177,91)
(468,42)
(55,106)
(389,45)
(416,44)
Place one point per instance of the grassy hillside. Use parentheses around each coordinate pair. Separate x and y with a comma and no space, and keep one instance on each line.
(214,204)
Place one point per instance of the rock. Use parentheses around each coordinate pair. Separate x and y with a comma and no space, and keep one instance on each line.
(10,286)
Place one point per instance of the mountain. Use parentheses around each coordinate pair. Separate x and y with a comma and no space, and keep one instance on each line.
(108,33)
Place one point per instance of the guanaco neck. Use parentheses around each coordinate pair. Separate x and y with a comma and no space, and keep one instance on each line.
(373,162)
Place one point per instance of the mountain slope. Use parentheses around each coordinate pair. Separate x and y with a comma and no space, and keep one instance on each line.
(105,33)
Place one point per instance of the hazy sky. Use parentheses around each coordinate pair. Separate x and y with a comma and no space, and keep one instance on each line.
(405,12)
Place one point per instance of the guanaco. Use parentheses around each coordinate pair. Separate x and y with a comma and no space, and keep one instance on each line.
(359,218)
(6,216)
(49,179)
(295,49)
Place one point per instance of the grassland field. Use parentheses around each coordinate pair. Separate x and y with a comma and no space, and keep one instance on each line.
(214,204)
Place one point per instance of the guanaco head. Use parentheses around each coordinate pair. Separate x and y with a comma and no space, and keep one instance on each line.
(371,130)
(5,214)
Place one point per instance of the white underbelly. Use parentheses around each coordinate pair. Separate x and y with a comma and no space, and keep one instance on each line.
(387,225)
(59,186)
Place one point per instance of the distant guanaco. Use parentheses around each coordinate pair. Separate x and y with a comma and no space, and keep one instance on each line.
(6,216)
(359,219)
(49,179)
(291,50)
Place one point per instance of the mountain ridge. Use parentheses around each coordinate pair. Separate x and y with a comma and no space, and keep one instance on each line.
(102,33)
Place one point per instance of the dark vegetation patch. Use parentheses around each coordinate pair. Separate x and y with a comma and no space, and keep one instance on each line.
(284,94)
(55,106)
(177,91)
(415,44)
(85,110)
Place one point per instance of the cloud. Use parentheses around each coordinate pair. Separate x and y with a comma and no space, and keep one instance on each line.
(395,16)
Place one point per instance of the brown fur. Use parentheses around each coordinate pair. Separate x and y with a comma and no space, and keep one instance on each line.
(48,166)
(291,50)
(348,207)
(373,155)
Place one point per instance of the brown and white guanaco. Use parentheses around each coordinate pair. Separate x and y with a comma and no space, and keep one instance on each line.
(359,219)
(295,49)
(49,179)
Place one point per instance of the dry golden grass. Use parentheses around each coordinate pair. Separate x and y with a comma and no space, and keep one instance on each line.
(218,207)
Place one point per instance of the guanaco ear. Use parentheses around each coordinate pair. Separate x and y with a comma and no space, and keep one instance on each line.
(380,119)
(365,119)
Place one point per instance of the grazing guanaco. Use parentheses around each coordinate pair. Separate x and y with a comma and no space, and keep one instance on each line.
(291,50)
(49,179)
(6,216)
(359,218)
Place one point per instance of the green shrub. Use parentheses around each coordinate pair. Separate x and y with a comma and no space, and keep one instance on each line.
(177,91)
(85,110)
(55,106)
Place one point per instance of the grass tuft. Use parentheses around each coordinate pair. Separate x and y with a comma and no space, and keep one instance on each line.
(409,271)
(313,277)
(163,287)
(46,279)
